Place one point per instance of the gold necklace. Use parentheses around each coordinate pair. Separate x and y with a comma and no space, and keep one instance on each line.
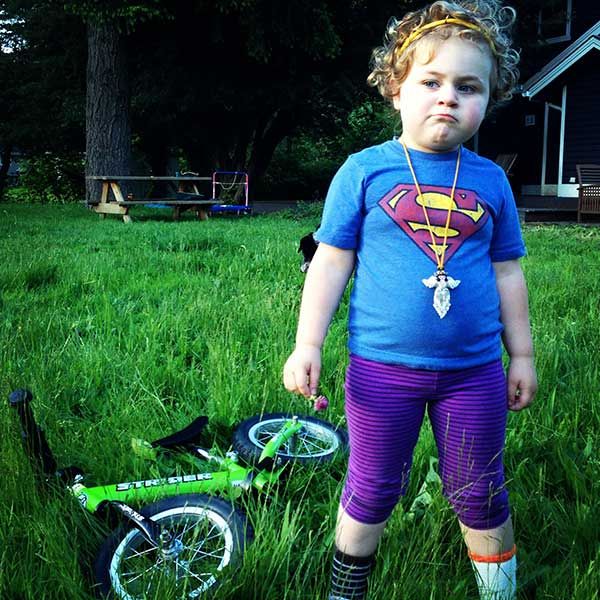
(440,280)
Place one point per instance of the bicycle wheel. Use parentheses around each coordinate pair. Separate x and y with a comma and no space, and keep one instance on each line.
(317,441)
(209,536)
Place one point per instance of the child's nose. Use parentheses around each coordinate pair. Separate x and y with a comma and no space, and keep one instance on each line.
(447,95)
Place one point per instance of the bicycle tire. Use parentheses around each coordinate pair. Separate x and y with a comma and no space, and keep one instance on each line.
(221,529)
(318,442)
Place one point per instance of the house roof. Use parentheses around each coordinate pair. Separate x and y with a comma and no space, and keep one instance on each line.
(569,56)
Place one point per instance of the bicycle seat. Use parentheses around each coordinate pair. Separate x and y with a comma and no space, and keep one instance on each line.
(184,437)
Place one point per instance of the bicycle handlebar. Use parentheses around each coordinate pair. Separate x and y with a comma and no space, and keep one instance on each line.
(32,434)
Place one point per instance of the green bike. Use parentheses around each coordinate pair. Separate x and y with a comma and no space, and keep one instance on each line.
(181,541)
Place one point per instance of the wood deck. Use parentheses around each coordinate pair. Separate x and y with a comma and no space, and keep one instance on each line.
(547,209)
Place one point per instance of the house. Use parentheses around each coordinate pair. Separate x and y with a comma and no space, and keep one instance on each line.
(14,167)
(554,124)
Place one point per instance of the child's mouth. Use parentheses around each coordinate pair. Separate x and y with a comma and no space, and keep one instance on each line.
(445,117)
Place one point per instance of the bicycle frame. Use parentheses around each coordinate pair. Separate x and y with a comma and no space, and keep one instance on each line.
(179,531)
(148,490)
(231,478)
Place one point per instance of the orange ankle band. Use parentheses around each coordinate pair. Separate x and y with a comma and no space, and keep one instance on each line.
(495,558)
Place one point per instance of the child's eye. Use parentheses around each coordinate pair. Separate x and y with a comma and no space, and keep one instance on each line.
(466,89)
(430,83)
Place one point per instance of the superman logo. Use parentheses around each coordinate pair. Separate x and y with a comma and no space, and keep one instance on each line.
(468,215)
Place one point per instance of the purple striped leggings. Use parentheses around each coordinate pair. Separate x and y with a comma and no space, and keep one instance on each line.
(385,405)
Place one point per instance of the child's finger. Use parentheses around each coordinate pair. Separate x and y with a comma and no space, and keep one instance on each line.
(315,373)
(289,382)
(512,394)
(292,382)
(302,376)
(296,379)
(524,399)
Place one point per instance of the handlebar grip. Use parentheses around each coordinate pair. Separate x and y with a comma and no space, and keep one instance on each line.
(32,434)
(19,397)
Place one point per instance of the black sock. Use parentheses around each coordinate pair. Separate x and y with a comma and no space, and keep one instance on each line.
(349,575)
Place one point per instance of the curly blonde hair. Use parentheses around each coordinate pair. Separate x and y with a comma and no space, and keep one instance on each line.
(391,63)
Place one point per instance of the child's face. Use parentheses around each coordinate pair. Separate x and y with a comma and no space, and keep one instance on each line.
(442,102)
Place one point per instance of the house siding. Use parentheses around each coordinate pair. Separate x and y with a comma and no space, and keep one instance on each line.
(586,13)
(582,135)
(505,132)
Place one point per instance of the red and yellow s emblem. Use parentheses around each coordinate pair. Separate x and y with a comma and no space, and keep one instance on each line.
(403,205)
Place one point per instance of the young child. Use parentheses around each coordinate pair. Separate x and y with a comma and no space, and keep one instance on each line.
(431,232)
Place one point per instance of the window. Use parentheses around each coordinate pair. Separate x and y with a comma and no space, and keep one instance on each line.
(554,21)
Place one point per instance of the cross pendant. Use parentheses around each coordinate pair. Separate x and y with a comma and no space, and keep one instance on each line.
(441,283)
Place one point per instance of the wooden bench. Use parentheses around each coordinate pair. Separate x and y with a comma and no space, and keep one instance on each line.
(588,177)
(112,201)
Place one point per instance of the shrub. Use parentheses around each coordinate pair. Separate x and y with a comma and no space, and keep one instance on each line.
(303,165)
(50,179)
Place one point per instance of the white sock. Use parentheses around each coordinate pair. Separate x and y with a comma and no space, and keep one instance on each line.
(496,580)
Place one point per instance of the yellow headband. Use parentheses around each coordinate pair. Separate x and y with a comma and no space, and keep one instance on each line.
(447,21)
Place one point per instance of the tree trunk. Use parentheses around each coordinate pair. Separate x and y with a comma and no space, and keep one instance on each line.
(268,135)
(6,156)
(108,128)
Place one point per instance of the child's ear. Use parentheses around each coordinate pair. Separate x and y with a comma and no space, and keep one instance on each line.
(396,100)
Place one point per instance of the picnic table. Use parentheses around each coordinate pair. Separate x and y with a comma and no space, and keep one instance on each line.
(185,195)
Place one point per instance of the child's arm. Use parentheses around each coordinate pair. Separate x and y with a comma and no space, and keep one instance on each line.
(326,280)
(514,313)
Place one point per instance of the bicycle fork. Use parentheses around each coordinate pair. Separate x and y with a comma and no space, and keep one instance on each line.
(153,532)
(290,429)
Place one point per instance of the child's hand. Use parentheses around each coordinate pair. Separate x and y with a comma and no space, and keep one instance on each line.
(302,370)
(522,382)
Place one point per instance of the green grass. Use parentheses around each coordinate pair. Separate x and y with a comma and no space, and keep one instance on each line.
(128,331)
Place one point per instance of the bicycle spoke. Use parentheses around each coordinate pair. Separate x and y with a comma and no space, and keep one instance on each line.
(306,442)
(154,567)
(217,554)
(148,588)
(265,437)
(311,442)
(187,566)
(306,446)
(205,554)
(188,525)
(204,538)
(136,554)
(196,576)
(203,541)
(214,554)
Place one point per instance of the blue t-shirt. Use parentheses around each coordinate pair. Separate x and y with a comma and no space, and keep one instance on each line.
(373,208)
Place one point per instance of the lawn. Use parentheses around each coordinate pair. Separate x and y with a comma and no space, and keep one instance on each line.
(133,330)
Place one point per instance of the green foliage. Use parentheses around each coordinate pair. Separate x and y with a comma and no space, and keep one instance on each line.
(227,82)
(42,95)
(303,165)
(49,179)
(267,69)
(127,15)
(304,211)
(301,169)
(370,122)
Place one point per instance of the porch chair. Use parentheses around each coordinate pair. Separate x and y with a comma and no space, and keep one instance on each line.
(588,178)
(506,161)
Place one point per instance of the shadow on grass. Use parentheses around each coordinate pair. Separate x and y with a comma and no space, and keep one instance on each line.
(40,277)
